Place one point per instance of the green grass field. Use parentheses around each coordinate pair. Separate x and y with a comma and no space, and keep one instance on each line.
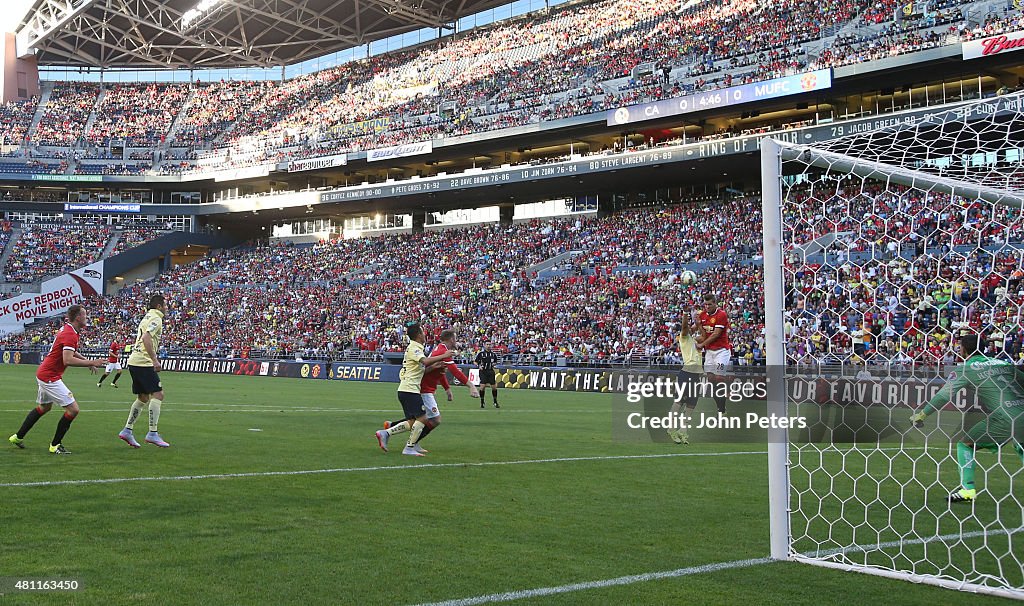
(531,496)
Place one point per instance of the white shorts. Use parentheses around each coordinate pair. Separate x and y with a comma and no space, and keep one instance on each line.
(113,366)
(54,393)
(430,405)
(717,361)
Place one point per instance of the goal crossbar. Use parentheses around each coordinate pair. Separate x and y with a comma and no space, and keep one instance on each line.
(901,175)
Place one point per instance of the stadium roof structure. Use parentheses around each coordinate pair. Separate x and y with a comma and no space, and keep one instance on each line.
(205,34)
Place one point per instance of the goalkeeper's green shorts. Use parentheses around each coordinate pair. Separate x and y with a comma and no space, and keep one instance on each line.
(997,429)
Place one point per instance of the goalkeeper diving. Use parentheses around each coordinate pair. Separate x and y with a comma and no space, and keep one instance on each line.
(999,386)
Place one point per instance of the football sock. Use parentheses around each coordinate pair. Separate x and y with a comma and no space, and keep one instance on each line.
(720,403)
(134,413)
(62,428)
(494,394)
(426,430)
(30,420)
(402,427)
(105,375)
(414,435)
(965,456)
(116,377)
(154,413)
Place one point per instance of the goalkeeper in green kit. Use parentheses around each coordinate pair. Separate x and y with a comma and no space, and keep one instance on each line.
(1000,390)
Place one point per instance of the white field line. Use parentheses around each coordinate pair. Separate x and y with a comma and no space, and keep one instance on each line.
(303,472)
(522,594)
(627,580)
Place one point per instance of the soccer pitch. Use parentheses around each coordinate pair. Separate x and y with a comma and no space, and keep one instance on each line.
(534,500)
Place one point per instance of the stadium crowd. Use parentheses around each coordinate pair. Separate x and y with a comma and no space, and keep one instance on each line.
(15,119)
(48,249)
(873,218)
(5,235)
(357,293)
(132,236)
(65,116)
(674,236)
(854,301)
(908,271)
(572,60)
(138,115)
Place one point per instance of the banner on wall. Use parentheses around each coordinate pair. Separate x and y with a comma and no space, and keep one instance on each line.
(20,357)
(53,299)
(400,151)
(296,166)
(261,368)
(842,392)
(993,45)
(354,371)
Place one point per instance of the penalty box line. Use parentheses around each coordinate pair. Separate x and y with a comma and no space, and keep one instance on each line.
(303,472)
(522,594)
(626,580)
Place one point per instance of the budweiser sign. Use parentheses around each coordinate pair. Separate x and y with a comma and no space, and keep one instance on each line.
(399,151)
(993,45)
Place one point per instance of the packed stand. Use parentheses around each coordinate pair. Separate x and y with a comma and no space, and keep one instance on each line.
(215,109)
(140,115)
(481,250)
(517,72)
(907,273)
(15,118)
(873,218)
(858,301)
(356,294)
(674,236)
(49,249)
(5,235)
(133,236)
(568,62)
(66,114)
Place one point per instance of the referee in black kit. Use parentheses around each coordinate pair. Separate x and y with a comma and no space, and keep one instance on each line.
(486,361)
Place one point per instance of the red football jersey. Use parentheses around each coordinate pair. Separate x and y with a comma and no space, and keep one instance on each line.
(709,322)
(432,378)
(115,351)
(52,368)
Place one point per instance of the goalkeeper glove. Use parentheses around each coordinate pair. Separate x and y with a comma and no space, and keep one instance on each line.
(917,419)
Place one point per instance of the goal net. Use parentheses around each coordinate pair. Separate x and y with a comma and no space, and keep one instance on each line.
(883,250)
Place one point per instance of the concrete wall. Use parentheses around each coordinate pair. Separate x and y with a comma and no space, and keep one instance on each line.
(19,78)
(145,271)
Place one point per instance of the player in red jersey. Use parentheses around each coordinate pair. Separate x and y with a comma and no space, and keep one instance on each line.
(49,378)
(113,364)
(715,342)
(435,374)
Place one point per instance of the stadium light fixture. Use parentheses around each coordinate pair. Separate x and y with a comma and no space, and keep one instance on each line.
(197,12)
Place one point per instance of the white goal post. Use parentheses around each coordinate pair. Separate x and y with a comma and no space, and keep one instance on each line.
(880,250)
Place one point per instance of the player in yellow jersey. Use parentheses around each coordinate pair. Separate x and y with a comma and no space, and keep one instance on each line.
(414,365)
(144,367)
(692,372)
